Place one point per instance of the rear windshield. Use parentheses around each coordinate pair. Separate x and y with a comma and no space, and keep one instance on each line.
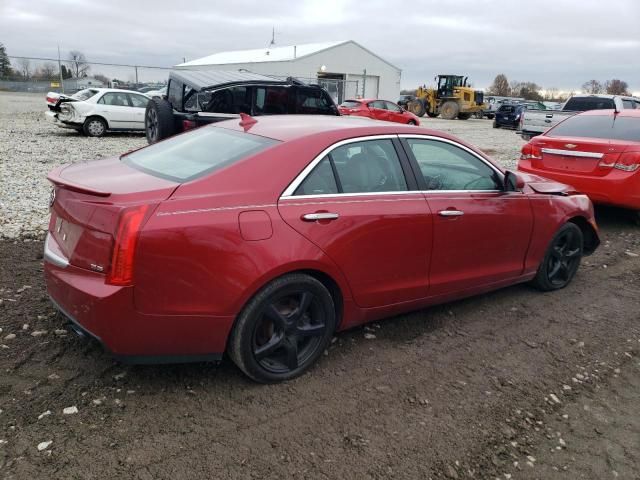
(350,104)
(84,94)
(506,108)
(582,104)
(196,153)
(599,126)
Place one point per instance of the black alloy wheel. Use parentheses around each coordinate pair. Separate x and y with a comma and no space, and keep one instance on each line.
(562,259)
(283,329)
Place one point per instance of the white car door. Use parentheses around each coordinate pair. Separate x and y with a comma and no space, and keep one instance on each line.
(115,108)
(138,105)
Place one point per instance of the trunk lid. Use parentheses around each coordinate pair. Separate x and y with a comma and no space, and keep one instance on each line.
(578,155)
(86,204)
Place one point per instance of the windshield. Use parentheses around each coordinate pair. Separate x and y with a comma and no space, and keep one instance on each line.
(196,153)
(84,94)
(599,126)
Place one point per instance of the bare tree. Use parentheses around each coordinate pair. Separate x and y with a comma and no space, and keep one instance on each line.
(592,86)
(47,71)
(616,87)
(103,78)
(500,86)
(79,65)
(24,66)
(551,93)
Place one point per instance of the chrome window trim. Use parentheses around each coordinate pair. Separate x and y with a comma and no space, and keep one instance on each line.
(370,194)
(289,191)
(572,153)
(52,257)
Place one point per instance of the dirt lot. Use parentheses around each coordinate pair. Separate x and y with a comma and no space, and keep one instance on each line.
(514,384)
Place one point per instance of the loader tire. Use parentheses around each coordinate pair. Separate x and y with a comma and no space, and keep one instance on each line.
(449,110)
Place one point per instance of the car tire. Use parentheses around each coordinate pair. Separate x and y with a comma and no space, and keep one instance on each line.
(449,110)
(158,120)
(526,138)
(94,127)
(561,260)
(283,329)
(411,122)
(490,116)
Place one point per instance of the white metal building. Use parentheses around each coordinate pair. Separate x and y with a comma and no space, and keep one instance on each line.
(346,69)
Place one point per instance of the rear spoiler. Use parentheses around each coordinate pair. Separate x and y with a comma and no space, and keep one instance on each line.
(55,178)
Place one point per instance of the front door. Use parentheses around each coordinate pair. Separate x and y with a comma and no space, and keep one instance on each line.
(138,106)
(378,110)
(480,233)
(114,107)
(356,205)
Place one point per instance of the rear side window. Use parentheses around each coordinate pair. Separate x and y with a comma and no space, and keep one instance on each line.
(582,104)
(196,153)
(350,104)
(598,126)
(361,167)
(313,101)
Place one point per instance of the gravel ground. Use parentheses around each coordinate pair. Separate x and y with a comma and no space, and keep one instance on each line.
(30,147)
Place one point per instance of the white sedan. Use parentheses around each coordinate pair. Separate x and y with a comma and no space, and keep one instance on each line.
(95,111)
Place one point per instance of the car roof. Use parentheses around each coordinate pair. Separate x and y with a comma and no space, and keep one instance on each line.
(293,127)
(603,95)
(201,79)
(116,90)
(627,112)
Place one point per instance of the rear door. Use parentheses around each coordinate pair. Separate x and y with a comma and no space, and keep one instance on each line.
(480,233)
(358,202)
(114,107)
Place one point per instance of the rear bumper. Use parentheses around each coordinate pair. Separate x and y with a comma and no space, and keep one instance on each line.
(107,314)
(617,188)
(53,118)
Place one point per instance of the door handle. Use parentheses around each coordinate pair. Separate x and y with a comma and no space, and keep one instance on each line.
(450,213)
(313,217)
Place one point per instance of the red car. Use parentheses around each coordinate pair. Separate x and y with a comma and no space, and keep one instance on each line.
(379,110)
(263,238)
(597,152)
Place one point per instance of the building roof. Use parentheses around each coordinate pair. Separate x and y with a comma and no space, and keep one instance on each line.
(213,78)
(274,54)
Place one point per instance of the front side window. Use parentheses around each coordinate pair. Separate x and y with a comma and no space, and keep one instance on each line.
(627,103)
(271,100)
(360,167)
(313,101)
(447,167)
(392,107)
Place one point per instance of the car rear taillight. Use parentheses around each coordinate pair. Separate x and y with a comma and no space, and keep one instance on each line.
(521,121)
(628,162)
(124,248)
(188,124)
(531,152)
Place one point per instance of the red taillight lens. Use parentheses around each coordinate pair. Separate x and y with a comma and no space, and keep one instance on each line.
(628,162)
(124,248)
(531,152)
(188,124)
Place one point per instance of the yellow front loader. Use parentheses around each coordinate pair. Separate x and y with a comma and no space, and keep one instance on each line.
(453,98)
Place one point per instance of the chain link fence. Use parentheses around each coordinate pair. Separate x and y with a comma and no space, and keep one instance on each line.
(36,74)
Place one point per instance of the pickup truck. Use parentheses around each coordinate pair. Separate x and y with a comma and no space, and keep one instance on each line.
(533,123)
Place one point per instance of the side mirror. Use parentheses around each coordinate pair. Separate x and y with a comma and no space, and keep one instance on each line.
(513,182)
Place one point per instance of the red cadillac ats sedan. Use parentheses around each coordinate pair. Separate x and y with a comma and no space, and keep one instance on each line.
(378,110)
(263,238)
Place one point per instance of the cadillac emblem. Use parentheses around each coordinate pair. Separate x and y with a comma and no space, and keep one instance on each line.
(570,145)
(52,197)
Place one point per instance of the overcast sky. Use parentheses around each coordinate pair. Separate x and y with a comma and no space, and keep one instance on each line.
(555,43)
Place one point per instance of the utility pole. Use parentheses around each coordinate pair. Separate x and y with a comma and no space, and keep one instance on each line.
(273,37)
(364,82)
(136,67)
(60,70)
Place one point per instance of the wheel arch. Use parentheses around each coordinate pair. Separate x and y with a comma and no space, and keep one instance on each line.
(95,115)
(589,234)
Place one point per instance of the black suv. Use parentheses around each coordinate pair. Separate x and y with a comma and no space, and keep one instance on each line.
(198,97)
